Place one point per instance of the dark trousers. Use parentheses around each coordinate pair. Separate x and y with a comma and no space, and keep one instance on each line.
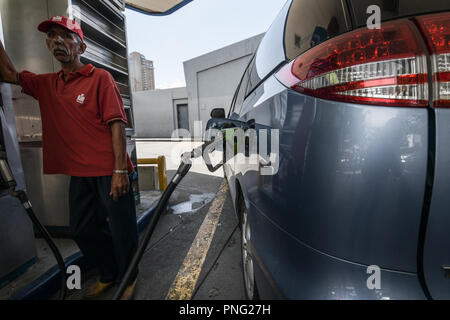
(104,229)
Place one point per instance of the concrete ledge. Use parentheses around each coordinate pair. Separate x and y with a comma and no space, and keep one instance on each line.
(11,276)
(49,283)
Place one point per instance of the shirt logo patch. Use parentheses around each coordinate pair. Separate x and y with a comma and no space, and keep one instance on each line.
(81,98)
(57,18)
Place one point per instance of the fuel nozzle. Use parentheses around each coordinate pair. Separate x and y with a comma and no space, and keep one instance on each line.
(202,151)
(10,182)
(186,163)
(5,172)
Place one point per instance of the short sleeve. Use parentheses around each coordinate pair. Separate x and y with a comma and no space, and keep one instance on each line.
(30,83)
(110,102)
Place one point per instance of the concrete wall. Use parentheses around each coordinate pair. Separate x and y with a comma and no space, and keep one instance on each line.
(211,79)
(155,112)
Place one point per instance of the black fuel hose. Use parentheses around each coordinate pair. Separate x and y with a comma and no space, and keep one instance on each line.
(8,180)
(43,231)
(162,203)
(186,164)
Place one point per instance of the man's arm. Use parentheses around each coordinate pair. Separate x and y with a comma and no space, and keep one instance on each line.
(119,183)
(8,72)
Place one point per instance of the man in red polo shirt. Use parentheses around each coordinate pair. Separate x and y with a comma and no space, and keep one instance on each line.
(83,128)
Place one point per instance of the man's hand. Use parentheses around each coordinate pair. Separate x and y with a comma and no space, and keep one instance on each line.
(120,185)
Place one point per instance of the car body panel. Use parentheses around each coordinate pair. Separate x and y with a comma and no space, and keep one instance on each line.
(347,175)
(301,272)
(437,239)
(349,189)
(271,49)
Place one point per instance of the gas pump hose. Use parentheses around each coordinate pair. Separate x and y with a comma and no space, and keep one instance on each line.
(8,178)
(183,169)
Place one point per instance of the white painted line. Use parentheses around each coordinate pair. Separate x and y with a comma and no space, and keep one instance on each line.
(184,284)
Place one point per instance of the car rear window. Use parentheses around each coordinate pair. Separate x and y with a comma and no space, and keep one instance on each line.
(312,22)
(391,9)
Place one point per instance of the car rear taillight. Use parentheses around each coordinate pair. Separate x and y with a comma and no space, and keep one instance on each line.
(384,66)
(436,30)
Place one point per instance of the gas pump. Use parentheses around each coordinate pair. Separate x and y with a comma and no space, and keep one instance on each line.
(7,181)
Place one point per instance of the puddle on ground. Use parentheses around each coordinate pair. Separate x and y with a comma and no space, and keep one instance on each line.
(196,202)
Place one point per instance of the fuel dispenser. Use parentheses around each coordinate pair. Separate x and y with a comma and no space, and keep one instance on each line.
(9,184)
(17,243)
(104,25)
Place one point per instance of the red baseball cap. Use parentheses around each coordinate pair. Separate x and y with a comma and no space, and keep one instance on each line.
(64,22)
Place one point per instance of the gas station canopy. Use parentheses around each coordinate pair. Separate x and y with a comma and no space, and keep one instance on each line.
(156,7)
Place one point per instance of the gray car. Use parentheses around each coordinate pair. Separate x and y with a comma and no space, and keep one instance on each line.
(354,202)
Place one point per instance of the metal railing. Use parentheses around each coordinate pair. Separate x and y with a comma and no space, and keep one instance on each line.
(162,171)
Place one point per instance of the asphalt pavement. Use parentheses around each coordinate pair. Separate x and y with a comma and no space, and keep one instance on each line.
(194,252)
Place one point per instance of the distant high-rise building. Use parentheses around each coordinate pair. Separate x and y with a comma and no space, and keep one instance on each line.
(142,73)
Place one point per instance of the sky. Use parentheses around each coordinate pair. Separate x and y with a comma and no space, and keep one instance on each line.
(199,27)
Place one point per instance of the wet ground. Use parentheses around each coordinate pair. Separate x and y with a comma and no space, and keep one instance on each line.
(218,276)
(194,252)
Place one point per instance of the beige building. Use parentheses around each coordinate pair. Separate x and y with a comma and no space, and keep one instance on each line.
(211,81)
(142,73)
